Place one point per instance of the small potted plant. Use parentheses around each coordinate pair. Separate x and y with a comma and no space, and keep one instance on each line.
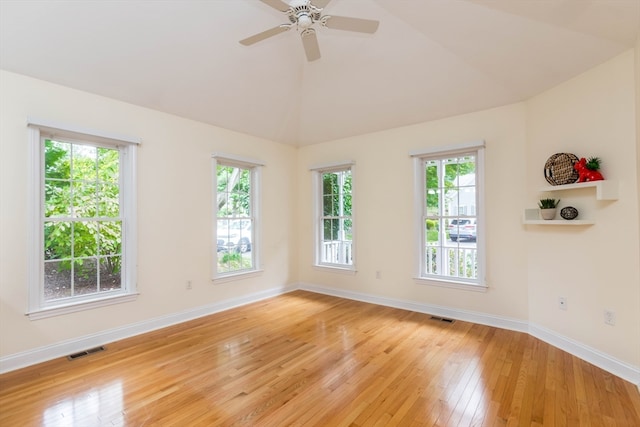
(548,208)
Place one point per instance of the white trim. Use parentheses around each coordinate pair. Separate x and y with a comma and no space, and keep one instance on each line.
(317,206)
(452,284)
(448,149)
(75,306)
(438,310)
(35,264)
(237,160)
(52,129)
(332,166)
(64,348)
(38,130)
(255,169)
(256,228)
(129,168)
(481,241)
(594,356)
(419,196)
(335,269)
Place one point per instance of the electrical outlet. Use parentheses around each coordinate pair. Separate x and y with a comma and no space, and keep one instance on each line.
(378,275)
(562,303)
(189,285)
(610,317)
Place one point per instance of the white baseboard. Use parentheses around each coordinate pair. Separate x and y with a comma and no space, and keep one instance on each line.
(64,348)
(602,360)
(436,310)
(595,357)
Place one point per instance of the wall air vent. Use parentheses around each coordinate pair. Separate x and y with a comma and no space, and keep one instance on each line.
(442,319)
(74,356)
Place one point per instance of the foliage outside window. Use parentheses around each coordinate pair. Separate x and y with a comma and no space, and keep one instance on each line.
(82,223)
(236,212)
(450,218)
(84,227)
(335,225)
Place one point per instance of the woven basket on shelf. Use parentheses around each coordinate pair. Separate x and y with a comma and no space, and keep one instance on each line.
(559,169)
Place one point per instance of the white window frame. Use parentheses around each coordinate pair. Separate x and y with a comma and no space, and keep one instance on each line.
(419,158)
(255,166)
(39,130)
(318,172)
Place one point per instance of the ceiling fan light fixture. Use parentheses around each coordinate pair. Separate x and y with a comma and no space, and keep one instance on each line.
(304,21)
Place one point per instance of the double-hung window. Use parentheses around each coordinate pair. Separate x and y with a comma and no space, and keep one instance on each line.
(236,208)
(449,200)
(334,216)
(83,207)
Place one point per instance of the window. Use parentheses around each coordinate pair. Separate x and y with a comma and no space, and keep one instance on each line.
(236,214)
(449,215)
(334,213)
(84,220)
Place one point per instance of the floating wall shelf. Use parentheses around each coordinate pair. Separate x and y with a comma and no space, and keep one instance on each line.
(605,190)
(532,216)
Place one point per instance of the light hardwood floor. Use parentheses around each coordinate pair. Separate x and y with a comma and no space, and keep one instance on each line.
(313,360)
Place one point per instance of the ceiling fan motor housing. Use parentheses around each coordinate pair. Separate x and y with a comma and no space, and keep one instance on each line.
(303,13)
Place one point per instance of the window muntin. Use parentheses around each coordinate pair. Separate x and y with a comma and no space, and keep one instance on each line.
(236,217)
(451,247)
(82,226)
(335,225)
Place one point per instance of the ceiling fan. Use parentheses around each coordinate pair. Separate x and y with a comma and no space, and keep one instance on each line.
(303,16)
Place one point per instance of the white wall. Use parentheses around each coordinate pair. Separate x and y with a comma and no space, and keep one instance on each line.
(596,267)
(383,197)
(174,207)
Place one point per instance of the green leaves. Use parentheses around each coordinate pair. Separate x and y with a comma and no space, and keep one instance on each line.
(593,163)
(452,169)
(57,240)
(82,229)
(232,261)
(57,163)
(234,191)
(548,203)
(337,206)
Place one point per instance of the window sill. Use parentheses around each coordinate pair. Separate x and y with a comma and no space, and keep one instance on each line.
(451,284)
(231,277)
(336,269)
(76,306)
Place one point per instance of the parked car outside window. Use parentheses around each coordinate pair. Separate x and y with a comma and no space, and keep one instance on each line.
(462,228)
(234,235)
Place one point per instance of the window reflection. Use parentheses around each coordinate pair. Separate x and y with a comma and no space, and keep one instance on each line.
(96,406)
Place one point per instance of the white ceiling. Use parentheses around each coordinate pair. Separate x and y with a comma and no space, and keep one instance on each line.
(429,58)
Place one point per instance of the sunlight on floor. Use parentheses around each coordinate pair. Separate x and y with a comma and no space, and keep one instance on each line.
(96,406)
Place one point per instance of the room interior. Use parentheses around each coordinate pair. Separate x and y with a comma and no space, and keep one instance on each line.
(530,79)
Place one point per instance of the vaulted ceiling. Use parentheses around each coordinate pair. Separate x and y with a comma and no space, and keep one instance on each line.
(429,58)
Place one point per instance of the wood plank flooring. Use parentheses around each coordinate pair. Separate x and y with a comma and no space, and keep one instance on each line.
(305,359)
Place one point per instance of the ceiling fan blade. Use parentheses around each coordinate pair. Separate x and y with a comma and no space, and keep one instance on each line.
(276,4)
(310,44)
(351,24)
(265,35)
(320,4)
